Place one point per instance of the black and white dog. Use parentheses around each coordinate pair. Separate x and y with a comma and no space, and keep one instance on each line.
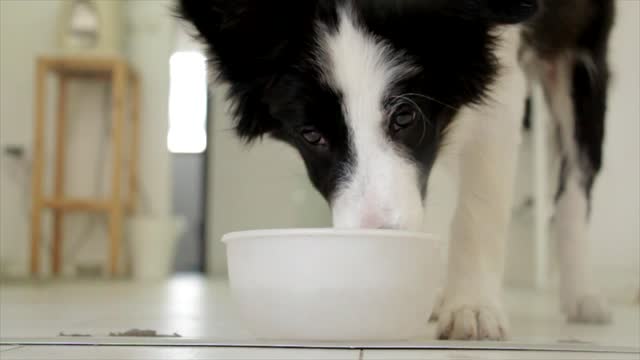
(373,93)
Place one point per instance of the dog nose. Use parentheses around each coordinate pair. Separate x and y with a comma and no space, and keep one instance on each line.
(374,220)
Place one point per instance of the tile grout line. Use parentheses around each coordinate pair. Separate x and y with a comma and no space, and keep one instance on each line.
(12,348)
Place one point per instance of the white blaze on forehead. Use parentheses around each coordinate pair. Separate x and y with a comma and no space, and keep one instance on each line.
(360,65)
(382,186)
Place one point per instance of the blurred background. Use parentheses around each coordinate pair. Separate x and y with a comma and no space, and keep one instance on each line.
(191,169)
(196,181)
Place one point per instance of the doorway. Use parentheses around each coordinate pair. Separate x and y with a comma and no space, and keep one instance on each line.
(187,143)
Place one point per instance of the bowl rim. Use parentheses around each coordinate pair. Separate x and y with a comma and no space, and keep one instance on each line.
(289,232)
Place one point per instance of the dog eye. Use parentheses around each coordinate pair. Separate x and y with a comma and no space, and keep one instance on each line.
(313,137)
(402,119)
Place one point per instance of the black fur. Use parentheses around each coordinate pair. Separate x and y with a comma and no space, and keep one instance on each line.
(252,44)
(452,73)
(266,51)
(569,25)
(590,88)
(528,113)
(589,104)
(298,101)
(581,29)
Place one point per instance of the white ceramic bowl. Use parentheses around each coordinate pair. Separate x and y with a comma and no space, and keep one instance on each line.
(334,285)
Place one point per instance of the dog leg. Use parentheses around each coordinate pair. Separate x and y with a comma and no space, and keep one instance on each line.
(472,307)
(576,90)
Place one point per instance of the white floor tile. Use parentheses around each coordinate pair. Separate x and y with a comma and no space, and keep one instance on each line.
(173,353)
(195,307)
(535,317)
(490,355)
(192,307)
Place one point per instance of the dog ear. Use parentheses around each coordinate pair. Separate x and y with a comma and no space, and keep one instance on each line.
(509,11)
(493,11)
(249,43)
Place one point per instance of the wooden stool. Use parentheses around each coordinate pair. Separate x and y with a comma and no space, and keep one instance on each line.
(120,74)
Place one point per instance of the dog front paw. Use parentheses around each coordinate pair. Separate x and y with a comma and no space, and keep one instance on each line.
(461,321)
(591,309)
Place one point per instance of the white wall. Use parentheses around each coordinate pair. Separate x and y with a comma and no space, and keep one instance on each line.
(16,113)
(150,44)
(28,29)
(615,228)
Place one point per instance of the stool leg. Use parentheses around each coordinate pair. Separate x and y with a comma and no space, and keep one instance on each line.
(135,141)
(38,156)
(116,209)
(59,176)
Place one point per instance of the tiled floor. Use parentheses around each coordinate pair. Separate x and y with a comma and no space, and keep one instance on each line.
(202,309)
(156,353)
(178,353)
(490,355)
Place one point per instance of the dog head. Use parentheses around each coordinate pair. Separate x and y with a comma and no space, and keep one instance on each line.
(365,90)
